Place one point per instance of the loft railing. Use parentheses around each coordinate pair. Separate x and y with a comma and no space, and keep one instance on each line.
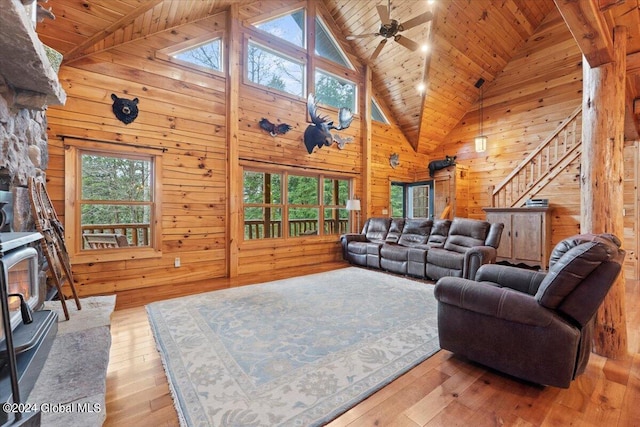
(255,229)
(543,164)
(138,234)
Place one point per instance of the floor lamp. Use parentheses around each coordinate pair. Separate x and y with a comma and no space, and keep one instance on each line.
(354,205)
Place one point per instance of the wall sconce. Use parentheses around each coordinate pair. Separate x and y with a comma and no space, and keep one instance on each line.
(481,140)
(354,205)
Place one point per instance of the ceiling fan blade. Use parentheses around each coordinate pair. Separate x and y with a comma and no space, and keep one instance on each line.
(383,12)
(409,44)
(360,36)
(376,52)
(416,20)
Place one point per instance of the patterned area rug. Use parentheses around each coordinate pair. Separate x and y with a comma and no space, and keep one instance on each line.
(294,352)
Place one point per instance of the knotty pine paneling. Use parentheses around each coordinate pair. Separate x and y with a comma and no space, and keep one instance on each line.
(536,91)
(185,111)
(387,140)
(180,110)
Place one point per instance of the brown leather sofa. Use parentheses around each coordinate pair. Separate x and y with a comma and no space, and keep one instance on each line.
(403,246)
(532,325)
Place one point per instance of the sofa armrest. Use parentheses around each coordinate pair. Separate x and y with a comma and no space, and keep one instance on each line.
(353,237)
(475,257)
(520,279)
(490,300)
(350,237)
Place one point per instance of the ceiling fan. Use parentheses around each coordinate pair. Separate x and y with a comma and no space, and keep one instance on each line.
(390,28)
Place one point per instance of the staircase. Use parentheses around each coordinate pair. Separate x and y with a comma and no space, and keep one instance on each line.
(542,165)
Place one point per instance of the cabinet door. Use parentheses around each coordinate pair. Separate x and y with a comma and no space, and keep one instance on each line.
(504,248)
(527,236)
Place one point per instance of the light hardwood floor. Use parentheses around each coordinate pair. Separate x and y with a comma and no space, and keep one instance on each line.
(442,391)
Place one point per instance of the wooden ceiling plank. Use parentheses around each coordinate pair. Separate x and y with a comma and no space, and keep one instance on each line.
(125,20)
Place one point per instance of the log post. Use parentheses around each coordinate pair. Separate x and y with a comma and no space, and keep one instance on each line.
(603,106)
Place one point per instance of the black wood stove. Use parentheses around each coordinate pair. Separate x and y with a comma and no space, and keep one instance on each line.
(26,335)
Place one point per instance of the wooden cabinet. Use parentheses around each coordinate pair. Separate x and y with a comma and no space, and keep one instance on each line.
(451,188)
(526,237)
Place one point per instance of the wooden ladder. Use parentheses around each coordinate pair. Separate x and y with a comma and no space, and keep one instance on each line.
(542,165)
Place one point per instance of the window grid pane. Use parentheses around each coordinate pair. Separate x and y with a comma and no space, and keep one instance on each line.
(208,55)
(327,48)
(116,199)
(305,214)
(288,27)
(271,69)
(334,91)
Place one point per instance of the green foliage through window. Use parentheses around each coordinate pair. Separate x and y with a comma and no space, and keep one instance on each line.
(116,195)
(308,204)
(334,91)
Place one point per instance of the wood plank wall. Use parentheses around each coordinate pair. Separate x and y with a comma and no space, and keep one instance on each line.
(185,111)
(536,91)
(181,110)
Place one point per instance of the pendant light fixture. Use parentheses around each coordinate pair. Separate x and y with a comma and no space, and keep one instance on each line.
(481,140)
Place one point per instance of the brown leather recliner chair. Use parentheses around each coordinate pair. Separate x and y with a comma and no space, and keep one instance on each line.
(533,325)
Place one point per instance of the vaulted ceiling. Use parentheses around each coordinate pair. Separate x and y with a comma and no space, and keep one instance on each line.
(467,39)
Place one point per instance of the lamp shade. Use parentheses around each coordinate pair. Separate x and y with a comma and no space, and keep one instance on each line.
(481,143)
(353,205)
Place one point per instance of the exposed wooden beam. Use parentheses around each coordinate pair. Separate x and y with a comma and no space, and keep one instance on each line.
(589,28)
(77,51)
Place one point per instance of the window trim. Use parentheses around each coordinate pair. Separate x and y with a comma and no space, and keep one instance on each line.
(73,233)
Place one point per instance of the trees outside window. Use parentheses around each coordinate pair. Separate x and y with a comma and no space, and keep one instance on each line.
(334,91)
(310,200)
(112,197)
(207,55)
(272,69)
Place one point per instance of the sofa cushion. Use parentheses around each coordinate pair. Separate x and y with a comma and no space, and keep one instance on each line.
(439,233)
(445,258)
(573,260)
(358,248)
(378,228)
(395,230)
(394,252)
(416,231)
(465,233)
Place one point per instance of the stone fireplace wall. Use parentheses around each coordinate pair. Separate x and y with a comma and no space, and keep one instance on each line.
(23,154)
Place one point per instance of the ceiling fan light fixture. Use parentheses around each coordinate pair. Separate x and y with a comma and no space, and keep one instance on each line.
(390,29)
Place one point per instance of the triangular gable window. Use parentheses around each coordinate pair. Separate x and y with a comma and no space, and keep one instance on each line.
(207,55)
(289,27)
(327,47)
(377,114)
